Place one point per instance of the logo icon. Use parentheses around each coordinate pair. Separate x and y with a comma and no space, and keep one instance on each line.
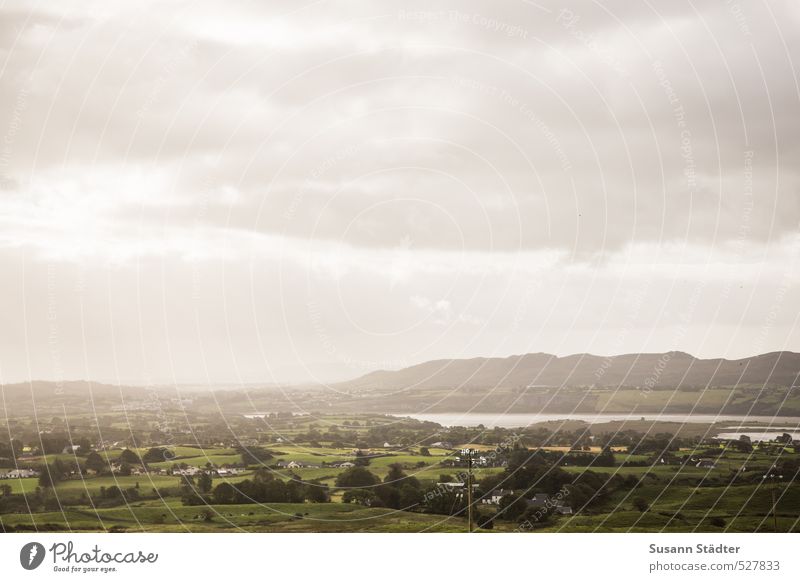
(31,555)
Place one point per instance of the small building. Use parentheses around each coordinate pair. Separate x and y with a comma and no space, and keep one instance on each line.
(543,500)
(495,496)
(20,474)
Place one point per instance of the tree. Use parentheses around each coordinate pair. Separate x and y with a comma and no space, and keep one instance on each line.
(189,493)
(114,492)
(224,493)
(17,448)
(361,460)
(49,476)
(204,482)
(606,458)
(425,452)
(263,475)
(96,463)
(254,455)
(512,507)
(536,515)
(395,473)
(157,455)
(640,504)
(356,477)
(388,495)
(316,493)
(5,490)
(444,501)
(271,492)
(485,521)
(410,496)
(295,491)
(128,456)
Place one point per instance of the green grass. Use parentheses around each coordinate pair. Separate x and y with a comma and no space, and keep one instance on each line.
(283,517)
(744,508)
(72,488)
(21,485)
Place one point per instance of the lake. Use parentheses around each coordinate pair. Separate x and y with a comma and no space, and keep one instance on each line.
(759,435)
(512,420)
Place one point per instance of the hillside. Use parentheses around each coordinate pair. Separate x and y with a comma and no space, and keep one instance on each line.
(23,398)
(675,369)
(673,382)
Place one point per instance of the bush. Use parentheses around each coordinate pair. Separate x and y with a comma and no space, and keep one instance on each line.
(486,521)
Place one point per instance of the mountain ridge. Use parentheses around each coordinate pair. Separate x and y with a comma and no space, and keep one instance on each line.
(652,369)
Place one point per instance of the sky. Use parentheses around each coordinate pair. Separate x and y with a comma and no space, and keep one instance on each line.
(235,192)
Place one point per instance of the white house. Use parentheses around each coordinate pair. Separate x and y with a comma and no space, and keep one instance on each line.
(188,471)
(496,495)
(20,474)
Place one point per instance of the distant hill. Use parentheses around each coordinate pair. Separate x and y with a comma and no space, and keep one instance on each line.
(19,399)
(673,369)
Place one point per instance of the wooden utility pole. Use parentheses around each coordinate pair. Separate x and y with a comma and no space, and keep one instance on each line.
(772,476)
(468,453)
(774,511)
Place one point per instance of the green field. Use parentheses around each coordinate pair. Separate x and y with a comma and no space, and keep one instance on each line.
(278,517)
(642,493)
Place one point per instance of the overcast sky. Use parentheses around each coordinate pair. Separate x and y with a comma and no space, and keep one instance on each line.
(234,192)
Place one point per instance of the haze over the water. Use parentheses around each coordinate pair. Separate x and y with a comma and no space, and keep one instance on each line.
(281,193)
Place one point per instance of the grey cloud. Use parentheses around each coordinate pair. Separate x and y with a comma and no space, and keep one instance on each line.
(364,155)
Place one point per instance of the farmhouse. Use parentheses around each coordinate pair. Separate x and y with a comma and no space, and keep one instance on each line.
(188,471)
(19,474)
(543,500)
(495,496)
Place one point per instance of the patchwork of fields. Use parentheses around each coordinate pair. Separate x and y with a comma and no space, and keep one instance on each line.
(648,493)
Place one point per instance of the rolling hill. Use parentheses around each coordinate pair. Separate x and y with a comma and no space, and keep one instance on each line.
(673,369)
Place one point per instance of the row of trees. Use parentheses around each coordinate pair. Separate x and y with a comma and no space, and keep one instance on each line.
(397,490)
(264,487)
